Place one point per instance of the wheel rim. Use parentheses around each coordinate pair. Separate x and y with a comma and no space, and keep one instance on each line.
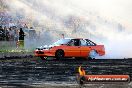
(60,54)
(92,54)
(43,58)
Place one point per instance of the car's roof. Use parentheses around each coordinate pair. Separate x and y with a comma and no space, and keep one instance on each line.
(77,38)
(73,38)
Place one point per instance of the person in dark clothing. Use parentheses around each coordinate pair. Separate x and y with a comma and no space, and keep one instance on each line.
(6,34)
(21,34)
(1,33)
(21,38)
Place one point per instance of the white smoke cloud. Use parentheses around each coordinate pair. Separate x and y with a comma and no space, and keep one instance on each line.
(118,46)
(100,20)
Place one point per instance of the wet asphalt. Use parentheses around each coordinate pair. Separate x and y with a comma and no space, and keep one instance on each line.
(26,73)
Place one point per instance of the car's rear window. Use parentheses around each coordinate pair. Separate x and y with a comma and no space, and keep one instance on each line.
(90,43)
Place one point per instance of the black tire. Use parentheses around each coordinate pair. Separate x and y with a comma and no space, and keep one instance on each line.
(82,80)
(43,58)
(92,54)
(89,58)
(59,54)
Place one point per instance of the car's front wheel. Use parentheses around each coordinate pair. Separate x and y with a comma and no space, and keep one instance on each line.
(92,54)
(43,58)
(59,54)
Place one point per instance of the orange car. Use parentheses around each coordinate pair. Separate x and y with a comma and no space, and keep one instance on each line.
(71,47)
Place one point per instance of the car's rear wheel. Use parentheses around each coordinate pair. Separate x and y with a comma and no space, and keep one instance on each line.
(92,54)
(59,54)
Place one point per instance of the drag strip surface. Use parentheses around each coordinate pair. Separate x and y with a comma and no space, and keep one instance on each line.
(36,71)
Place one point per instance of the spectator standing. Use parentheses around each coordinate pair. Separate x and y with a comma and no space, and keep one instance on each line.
(11,34)
(1,34)
(21,38)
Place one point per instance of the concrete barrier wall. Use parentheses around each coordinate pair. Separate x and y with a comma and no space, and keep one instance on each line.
(12,45)
(7,44)
(15,54)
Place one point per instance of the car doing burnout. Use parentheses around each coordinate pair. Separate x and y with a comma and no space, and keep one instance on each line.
(71,47)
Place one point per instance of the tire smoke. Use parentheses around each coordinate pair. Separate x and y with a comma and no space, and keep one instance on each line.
(60,17)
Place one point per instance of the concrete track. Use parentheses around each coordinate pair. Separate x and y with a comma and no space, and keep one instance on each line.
(34,72)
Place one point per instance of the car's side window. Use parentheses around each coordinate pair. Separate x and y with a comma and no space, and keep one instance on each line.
(71,43)
(83,42)
(74,42)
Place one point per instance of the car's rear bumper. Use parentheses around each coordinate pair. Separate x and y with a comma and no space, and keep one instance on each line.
(102,53)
